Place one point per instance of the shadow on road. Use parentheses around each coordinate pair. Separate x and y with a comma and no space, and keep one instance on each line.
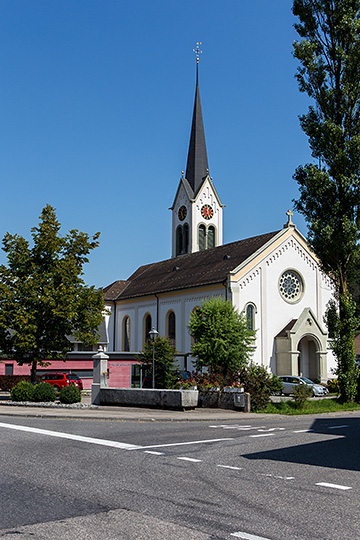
(340,452)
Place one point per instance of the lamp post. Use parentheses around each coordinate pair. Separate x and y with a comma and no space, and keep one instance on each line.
(153,335)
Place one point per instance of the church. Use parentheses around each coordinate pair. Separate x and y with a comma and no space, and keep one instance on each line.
(274,279)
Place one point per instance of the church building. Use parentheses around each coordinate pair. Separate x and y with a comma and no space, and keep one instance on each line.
(274,279)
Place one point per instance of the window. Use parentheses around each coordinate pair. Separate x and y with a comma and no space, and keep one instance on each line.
(182,239)
(206,237)
(171,328)
(250,316)
(126,333)
(211,237)
(147,327)
(179,240)
(202,237)
(291,286)
(9,369)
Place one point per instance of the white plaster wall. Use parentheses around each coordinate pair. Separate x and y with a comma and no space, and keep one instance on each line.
(260,286)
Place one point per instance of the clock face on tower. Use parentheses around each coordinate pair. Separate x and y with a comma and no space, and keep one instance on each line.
(207,212)
(182,213)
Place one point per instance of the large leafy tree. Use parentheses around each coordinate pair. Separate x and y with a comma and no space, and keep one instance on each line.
(223,341)
(43,298)
(329,72)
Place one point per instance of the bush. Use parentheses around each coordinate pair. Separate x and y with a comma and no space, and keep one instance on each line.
(70,394)
(301,394)
(23,391)
(260,384)
(333,386)
(44,392)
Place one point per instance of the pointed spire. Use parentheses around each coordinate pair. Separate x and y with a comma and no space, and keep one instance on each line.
(197,163)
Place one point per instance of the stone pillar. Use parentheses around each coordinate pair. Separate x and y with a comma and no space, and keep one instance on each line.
(100,366)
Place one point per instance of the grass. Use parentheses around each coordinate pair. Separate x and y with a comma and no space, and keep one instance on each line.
(310,407)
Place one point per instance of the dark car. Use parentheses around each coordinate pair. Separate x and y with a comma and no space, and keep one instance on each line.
(59,380)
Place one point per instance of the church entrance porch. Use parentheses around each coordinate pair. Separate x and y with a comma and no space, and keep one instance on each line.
(301,348)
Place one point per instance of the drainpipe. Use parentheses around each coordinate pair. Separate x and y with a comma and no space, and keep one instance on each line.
(157,312)
(226,289)
(114,326)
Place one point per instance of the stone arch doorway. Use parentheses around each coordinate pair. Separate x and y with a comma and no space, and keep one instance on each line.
(301,347)
(309,358)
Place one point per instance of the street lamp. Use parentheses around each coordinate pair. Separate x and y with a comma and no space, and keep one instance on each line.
(153,335)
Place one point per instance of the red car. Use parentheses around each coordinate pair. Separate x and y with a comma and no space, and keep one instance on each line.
(59,380)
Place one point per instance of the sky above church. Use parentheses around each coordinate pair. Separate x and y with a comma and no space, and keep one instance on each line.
(96,108)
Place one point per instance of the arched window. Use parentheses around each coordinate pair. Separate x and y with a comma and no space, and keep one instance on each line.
(250,316)
(147,327)
(211,237)
(126,334)
(171,328)
(202,237)
(186,238)
(192,341)
(179,240)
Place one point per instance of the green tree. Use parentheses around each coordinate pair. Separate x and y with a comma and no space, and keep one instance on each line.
(43,298)
(329,72)
(223,341)
(165,369)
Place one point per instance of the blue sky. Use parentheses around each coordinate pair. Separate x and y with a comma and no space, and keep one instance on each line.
(96,105)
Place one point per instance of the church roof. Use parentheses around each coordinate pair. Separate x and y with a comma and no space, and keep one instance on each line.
(201,268)
(197,163)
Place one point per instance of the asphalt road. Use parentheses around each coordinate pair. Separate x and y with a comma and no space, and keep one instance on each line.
(266,478)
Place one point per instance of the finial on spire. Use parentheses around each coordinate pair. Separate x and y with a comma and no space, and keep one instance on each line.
(197,51)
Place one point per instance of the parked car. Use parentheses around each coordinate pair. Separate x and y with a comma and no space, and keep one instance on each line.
(59,380)
(289,383)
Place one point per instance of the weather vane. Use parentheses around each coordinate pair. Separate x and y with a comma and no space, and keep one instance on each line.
(197,51)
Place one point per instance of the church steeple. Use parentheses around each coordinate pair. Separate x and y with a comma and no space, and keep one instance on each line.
(196,210)
(197,163)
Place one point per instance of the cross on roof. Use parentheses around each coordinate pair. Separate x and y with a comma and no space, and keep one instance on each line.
(289,214)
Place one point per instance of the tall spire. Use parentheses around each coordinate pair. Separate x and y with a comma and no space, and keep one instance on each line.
(197,163)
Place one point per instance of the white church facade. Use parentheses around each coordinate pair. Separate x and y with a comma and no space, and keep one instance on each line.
(274,278)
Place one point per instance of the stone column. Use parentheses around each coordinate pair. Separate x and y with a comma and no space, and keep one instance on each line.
(100,366)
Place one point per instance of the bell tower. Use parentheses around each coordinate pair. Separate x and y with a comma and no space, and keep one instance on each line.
(196,210)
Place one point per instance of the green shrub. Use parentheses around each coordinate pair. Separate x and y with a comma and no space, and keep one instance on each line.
(23,391)
(333,386)
(70,394)
(301,393)
(260,384)
(44,392)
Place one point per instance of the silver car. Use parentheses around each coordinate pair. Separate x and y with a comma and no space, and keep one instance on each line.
(289,383)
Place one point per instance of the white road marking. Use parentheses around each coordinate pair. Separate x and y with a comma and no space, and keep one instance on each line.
(91,440)
(303,431)
(246,536)
(154,452)
(334,486)
(273,429)
(279,477)
(338,427)
(263,435)
(232,468)
(193,460)
(186,443)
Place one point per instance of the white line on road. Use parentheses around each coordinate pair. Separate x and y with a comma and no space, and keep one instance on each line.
(303,431)
(262,435)
(246,536)
(102,442)
(154,452)
(338,427)
(232,468)
(193,460)
(186,443)
(334,486)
